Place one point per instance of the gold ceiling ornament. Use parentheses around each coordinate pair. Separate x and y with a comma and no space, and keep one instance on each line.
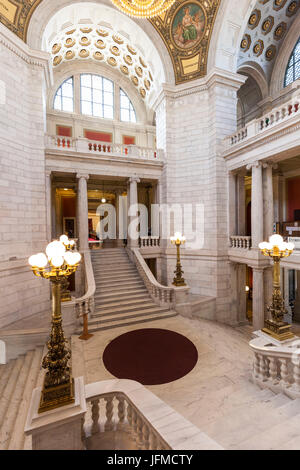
(143,8)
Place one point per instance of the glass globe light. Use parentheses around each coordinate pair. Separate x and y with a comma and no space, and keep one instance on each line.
(57,261)
(276,240)
(41,260)
(64,239)
(69,258)
(76,257)
(269,246)
(290,246)
(72,242)
(103,200)
(263,246)
(33,260)
(55,249)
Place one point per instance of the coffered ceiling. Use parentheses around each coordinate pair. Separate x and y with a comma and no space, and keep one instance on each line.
(185,28)
(266,30)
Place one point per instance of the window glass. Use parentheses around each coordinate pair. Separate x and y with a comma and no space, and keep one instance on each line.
(127,112)
(64,97)
(293,69)
(96,96)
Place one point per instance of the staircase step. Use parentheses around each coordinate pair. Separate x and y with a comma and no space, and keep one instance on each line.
(111,318)
(104,282)
(18,437)
(12,410)
(150,308)
(5,374)
(119,287)
(171,313)
(134,303)
(115,271)
(121,310)
(115,294)
(8,391)
(122,298)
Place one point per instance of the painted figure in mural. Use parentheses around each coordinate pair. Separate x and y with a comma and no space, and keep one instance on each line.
(189,29)
(188,25)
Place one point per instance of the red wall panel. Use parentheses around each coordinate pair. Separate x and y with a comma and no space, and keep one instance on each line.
(100,136)
(293,197)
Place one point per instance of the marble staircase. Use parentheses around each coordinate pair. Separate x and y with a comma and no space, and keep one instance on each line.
(121,297)
(18,378)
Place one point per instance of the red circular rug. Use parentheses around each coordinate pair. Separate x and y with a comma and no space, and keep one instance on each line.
(150,356)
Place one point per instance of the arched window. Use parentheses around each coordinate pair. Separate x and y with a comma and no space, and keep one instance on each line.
(293,69)
(64,98)
(127,112)
(97,96)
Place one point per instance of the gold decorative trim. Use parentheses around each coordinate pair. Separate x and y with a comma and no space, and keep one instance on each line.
(189,63)
(16,15)
(115,50)
(70,55)
(57,60)
(117,39)
(100,44)
(134,80)
(131,49)
(128,59)
(139,71)
(112,61)
(84,53)
(98,55)
(102,32)
(70,42)
(86,30)
(124,69)
(84,41)
(56,48)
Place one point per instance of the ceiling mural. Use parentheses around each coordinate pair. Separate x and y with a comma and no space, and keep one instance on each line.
(185,28)
(267,28)
(16,14)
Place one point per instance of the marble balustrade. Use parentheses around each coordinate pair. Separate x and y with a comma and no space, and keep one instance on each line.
(277,366)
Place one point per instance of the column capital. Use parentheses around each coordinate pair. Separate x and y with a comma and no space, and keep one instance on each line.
(270,164)
(134,179)
(256,164)
(82,175)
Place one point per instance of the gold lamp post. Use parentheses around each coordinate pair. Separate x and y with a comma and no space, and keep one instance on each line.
(178,240)
(275,326)
(58,388)
(65,293)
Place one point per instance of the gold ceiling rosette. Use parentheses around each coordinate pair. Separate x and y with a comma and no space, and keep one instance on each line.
(143,8)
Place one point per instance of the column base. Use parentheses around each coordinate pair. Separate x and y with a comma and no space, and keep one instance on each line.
(280,331)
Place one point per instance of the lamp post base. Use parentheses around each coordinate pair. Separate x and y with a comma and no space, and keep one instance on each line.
(278,330)
(54,397)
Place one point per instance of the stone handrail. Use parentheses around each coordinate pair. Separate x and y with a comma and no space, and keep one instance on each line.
(149,242)
(256,127)
(103,148)
(161,295)
(171,297)
(85,304)
(149,423)
(239,241)
(277,366)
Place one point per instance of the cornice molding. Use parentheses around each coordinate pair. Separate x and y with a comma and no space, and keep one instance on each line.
(217,77)
(29,56)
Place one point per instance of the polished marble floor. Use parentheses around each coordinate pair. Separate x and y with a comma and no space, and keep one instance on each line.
(223,366)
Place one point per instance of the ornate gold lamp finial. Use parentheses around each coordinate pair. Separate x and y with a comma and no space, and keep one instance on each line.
(57,265)
(275,326)
(178,240)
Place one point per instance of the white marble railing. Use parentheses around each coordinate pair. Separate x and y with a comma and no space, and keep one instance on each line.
(255,128)
(240,242)
(138,419)
(149,242)
(103,148)
(161,295)
(277,366)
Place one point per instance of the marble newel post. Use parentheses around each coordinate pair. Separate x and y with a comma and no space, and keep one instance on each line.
(257,211)
(133,238)
(82,212)
(258,306)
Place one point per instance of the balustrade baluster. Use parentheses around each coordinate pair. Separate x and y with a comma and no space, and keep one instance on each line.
(83,436)
(273,369)
(134,426)
(153,441)
(140,440)
(146,436)
(263,369)
(284,373)
(296,376)
(109,424)
(95,416)
(121,411)
(256,366)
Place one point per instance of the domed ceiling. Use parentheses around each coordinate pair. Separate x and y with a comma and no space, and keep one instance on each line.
(185,28)
(266,30)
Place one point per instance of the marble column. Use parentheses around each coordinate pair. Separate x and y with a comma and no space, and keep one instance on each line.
(257,212)
(155,214)
(258,305)
(279,197)
(241,204)
(133,197)
(285,274)
(268,200)
(238,293)
(232,204)
(82,212)
(119,217)
(48,190)
(268,286)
